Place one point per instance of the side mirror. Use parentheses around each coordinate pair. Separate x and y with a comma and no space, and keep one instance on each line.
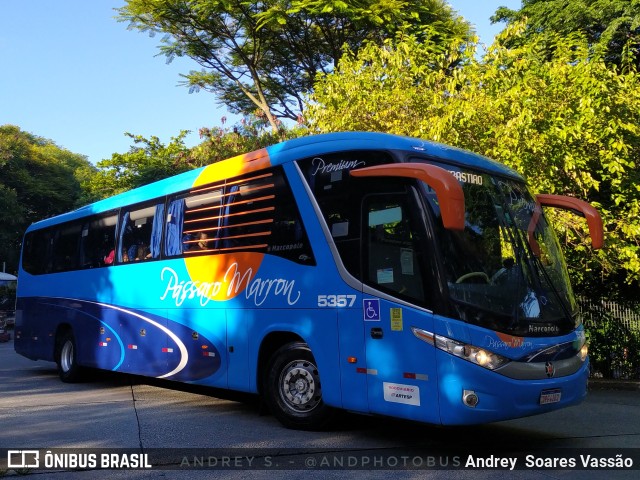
(581,208)
(447,188)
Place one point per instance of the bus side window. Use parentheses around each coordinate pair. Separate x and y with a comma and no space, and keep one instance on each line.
(36,258)
(98,242)
(391,249)
(288,237)
(255,212)
(65,247)
(194,221)
(140,233)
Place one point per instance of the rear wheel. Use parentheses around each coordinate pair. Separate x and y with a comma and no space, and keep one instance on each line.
(293,389)
(66,358)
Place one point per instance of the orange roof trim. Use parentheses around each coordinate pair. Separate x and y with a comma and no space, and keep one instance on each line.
(248,162)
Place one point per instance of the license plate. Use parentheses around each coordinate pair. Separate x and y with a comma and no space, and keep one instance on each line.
(550,396)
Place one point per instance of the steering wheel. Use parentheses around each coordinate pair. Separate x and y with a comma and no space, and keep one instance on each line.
(467,276)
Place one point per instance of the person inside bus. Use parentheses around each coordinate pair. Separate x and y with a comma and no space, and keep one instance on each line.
(502,275)
(125,255)
(132,252)
(142,253)
(203,239)
(108,260)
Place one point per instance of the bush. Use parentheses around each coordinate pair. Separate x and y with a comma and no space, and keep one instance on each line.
(614,348)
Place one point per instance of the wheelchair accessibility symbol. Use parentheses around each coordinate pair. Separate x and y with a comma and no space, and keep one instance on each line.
(371,309)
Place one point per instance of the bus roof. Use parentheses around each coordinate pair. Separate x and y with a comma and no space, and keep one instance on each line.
(282,153)
(345,141)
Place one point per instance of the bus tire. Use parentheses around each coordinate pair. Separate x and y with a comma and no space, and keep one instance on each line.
(66,358)
(293,389)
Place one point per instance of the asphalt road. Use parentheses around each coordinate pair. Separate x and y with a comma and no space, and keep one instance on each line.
(37,411)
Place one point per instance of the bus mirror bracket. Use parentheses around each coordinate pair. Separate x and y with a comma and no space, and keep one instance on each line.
(447,188)
(579,207)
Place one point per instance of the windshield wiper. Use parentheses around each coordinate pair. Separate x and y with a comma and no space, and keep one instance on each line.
(536,265)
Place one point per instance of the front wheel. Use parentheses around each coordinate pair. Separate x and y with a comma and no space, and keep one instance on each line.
(293,389)
(66,358)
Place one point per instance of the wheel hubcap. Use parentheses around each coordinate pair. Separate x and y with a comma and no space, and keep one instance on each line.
(300,386)
(66,356)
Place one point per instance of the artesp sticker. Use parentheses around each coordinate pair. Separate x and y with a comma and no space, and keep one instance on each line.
(399,393)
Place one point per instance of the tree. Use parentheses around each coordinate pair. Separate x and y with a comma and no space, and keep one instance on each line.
(12,222)
(251,133)
(568,123)
(149,159)
(612,24)
(38,179)
(264,56)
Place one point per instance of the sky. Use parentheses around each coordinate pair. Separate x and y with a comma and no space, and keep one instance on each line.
(71,73)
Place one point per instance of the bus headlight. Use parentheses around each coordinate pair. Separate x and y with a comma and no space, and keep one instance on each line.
(471,353)
(584,351)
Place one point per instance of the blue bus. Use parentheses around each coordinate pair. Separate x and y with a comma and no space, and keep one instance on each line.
(359,271)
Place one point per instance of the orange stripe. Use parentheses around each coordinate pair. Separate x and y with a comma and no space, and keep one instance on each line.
(232,167)
(235,182)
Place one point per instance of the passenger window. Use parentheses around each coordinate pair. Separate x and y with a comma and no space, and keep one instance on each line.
(391,247)
(140,233)
(201,215)
(339,196)
(65,247)
(253,213)
(36,257)
(98,242)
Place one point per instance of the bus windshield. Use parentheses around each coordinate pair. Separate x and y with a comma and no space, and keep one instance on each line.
(505,270)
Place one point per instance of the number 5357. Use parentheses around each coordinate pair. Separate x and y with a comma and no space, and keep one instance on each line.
(336,300)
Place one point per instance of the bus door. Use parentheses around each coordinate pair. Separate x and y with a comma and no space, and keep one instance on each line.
(401,369)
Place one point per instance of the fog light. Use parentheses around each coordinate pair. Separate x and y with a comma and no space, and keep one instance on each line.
(469,398)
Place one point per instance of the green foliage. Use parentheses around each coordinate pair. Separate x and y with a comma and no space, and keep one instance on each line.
(548,107)
(7,296)
(149,160)
(252,133)
(38,179)
(614,349)
(265,55)
(612,25)
(12,224)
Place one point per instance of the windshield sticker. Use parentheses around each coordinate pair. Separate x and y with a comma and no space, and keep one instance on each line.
(466,177)
(340,229)
(406,261)
(385,275)
(320,166)
(336,176)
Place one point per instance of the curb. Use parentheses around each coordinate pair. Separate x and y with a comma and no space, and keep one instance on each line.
(607,384)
